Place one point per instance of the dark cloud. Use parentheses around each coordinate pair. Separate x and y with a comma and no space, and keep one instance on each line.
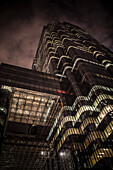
(21,23)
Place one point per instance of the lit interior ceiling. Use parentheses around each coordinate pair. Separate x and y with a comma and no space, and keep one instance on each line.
(32,107)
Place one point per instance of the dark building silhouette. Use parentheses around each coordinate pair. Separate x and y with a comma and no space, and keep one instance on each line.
(59,115)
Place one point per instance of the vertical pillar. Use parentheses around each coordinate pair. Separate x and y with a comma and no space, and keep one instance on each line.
(71,78)
(54,162)
(75,160)
(5,96)
(50,163)
(46,166)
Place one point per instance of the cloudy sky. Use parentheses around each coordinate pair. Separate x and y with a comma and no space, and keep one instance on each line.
(21,23)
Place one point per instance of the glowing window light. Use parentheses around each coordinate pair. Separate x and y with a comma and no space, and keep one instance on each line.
(3,109)
(100,156)
(64,92)
(105,149)
(108,108)
(101,153)
(42,152)
(71,94)
(62,153)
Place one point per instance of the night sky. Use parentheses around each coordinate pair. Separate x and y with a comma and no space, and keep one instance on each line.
(21,23)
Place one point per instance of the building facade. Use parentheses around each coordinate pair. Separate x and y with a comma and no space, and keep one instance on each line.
(60,117)
(84,124)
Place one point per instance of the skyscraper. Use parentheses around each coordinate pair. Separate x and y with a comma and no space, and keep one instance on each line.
(60,116)
(83,122)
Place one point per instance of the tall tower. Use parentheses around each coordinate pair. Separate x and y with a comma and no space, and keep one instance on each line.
(81,135)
